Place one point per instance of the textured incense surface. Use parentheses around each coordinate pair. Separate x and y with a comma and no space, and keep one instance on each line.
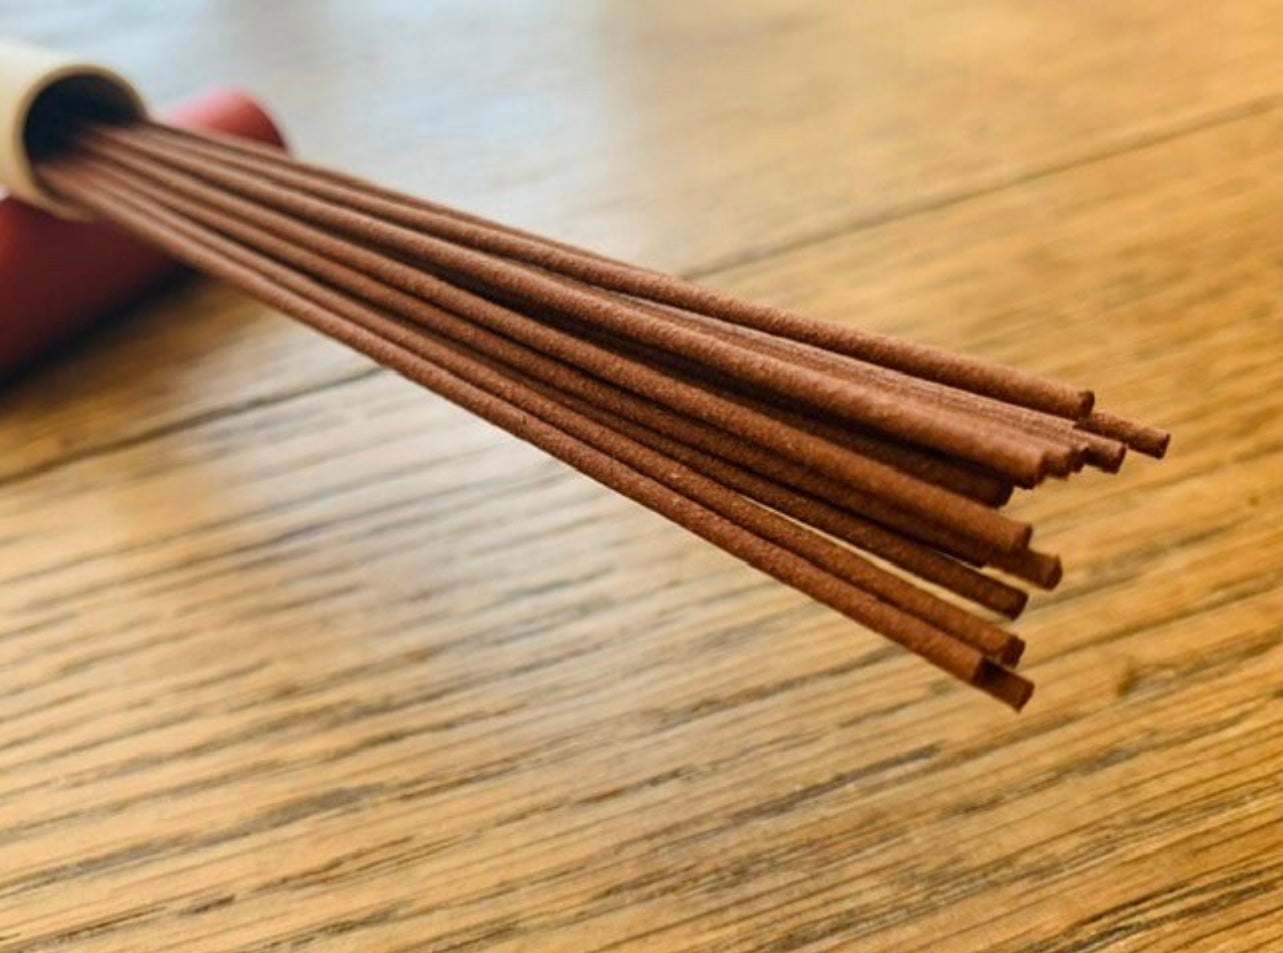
(651,385)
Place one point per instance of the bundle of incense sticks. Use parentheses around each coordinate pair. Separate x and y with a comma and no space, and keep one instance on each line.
(794,444)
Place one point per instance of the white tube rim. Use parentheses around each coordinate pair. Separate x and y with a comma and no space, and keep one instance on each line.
(26,74)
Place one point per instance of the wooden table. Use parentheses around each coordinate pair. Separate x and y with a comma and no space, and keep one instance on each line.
(295,657)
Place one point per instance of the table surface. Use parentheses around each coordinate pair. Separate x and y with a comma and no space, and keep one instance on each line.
(294,656)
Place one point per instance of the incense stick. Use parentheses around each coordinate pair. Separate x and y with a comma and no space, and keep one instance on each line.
(794,444)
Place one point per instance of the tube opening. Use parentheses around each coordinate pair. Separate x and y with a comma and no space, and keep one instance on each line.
(67,101)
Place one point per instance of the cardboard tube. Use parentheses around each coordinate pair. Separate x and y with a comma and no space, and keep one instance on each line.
(57,276)
(35,84)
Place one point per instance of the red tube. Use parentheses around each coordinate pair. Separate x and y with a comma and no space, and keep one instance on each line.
(57,276)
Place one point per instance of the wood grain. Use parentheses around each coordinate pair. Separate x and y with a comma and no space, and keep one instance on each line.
(295,657)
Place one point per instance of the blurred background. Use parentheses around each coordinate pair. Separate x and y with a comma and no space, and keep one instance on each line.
(572,115)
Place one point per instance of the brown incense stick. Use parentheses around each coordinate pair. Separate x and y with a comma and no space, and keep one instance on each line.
(789,442)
